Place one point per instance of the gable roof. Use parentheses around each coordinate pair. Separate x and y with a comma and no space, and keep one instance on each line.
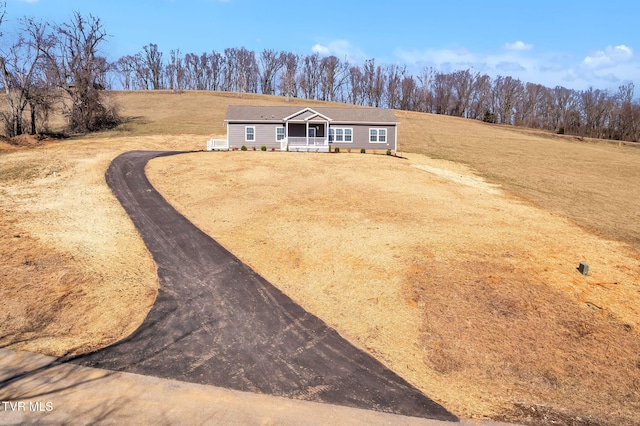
(280,114)
(306,114)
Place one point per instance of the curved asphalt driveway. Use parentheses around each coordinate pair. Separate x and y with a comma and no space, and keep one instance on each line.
(215,321)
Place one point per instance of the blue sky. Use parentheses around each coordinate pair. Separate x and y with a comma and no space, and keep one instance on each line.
(568,43)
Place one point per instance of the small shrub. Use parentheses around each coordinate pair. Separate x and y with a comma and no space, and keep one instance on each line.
(263,148)
(272,149)
(388,152)
(243,148)
(489,117)
(254,148)
(336,149)
(363,151)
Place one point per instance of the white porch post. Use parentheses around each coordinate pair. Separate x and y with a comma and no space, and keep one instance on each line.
(286,136)
(326,133)
(307,124)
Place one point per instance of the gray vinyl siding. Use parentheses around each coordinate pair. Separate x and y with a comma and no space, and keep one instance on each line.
(361,137)
(265,134)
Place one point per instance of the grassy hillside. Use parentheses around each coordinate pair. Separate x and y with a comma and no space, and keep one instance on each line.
(590,182)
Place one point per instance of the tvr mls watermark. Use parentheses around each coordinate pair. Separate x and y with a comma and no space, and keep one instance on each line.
(31,406)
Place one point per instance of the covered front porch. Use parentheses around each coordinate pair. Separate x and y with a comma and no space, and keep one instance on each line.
(306,131)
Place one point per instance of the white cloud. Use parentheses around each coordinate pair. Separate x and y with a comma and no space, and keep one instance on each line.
(320,49)
(604,69)
(342,49)
(609,57)
(518,45)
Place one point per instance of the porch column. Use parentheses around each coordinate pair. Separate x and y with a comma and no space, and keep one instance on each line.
(307,124)
(326,133)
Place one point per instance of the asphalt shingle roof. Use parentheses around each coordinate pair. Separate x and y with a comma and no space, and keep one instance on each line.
(242,113)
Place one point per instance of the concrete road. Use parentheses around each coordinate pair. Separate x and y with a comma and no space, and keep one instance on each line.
(40,390)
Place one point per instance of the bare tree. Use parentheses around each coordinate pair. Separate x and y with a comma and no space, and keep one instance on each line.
(356,86)
(214,70)
(394,85)
(530,106)
(125,68)
(247,71)
(507,92)
(152,60)
(442,93)
(288,83)
(425,96)
(333,78)
(409,91)
(374,82)
(462,82)
(563,103)
(595,106)
(78,70)
(175,71)
(626,119)
(311,76)
(270,64)
(480,99)
(21,67)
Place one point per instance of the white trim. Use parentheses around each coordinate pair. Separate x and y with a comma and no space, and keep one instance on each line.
(343,134)
(245,133)
(314,117)
(364,123)
(284,133)
(306,110)
(378,130)
(395,140)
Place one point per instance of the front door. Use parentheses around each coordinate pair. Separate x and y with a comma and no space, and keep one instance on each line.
(312,132)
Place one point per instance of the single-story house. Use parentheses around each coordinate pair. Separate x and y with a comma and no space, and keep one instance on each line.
(320,129)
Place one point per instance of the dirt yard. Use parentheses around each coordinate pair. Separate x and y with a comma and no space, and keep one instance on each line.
(469,293)
(75,276)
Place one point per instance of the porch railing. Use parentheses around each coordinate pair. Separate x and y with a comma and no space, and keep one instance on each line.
(217,144)
(310,141)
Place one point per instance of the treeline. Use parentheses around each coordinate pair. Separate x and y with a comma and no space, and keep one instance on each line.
(465,93)
(49,65)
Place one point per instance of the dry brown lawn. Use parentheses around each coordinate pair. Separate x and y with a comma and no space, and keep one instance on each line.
(593,183)
(472,296)
(467,289)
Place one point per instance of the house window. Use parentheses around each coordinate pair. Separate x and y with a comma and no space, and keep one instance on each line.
(378,135)
(279,133)
(338,134)
(249,134)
